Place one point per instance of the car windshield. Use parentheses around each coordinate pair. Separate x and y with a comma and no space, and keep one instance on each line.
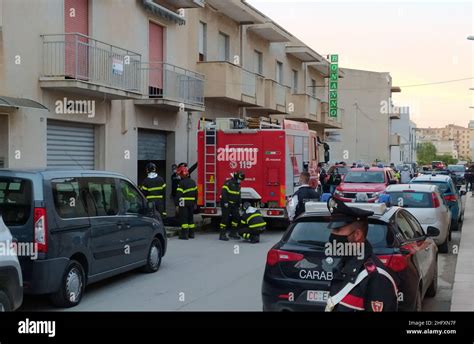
(364,177)
(456,168)
(15,201)
(317,233)
(443,186)
(411,199)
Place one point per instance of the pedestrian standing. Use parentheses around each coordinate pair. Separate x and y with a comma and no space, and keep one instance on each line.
(230,204)
(154,188)
(296,205)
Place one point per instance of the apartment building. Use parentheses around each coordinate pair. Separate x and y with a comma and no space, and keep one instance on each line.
(460,137)
(114,84)
(366,98)
(406,129)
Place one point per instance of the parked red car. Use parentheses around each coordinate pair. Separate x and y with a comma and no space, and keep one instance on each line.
(365,184)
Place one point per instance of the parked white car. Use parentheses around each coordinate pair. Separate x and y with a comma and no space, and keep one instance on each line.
(11,280)
(425,203)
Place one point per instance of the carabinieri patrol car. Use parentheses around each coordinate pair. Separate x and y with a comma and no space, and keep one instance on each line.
(298,272)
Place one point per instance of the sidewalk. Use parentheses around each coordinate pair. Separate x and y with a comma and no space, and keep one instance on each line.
(463,286)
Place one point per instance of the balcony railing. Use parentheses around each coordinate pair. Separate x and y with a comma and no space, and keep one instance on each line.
(79,57)
(280,94)
(164,80)
(249,83)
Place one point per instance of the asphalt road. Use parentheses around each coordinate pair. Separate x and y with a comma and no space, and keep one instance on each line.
(206,274)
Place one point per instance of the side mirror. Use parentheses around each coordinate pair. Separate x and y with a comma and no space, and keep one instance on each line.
(432,231)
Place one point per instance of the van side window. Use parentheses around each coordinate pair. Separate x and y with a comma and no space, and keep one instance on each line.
(102,194)
(133,202)
(68,199)
(15,200)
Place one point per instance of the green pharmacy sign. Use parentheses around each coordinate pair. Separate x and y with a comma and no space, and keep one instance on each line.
(333,84)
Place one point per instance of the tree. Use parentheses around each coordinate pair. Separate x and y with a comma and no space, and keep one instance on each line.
(426,153)
(447,159)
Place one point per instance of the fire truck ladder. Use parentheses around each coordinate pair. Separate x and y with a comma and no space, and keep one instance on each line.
(210,167)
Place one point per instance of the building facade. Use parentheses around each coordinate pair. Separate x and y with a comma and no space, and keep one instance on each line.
(114,84)
(406,129)
(367,101)
(460,137)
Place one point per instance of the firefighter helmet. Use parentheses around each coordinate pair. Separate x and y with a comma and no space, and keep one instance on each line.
(150,167)
(239,175)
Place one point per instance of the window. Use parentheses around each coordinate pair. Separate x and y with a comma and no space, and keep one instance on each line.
(405,227)
(15,201)
(258,62)
(279,72)
(295,81)
(224,47)
(415,224)
(313,88)
(133,202)
(68,198)
(102,196)
(202,41)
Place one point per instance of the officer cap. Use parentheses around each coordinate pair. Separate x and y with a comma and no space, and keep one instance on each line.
(342,215)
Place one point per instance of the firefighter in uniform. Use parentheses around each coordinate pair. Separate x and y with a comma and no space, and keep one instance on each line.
(253,223)
(186,195)
(230,204)
(154,188)
(360,283)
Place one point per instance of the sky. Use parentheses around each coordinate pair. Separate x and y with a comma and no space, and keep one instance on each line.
(418,42)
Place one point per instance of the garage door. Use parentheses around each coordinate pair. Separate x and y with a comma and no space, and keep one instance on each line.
(151,145)
(70,146)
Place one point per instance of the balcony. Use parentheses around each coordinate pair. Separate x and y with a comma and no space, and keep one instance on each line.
(394,140)
(232,83)
(303,107)
(394,112)
(83,65)
(186,3)
(331,122)
(276,100)
(164,85)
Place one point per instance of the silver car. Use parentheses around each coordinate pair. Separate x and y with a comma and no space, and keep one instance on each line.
(11,281)
(425,203)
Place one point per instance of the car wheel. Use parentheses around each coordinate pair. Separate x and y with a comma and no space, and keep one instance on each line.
(443,248)
(418,302)
(72,286)
(153,260)
(5,305)
(431,292)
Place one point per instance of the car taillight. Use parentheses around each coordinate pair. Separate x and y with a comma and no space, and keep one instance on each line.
(436,202)
(278,256)
(275,212)
(395,262)
(450,198)
(41,230)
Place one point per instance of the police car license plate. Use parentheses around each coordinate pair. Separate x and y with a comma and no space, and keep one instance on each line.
(317,295)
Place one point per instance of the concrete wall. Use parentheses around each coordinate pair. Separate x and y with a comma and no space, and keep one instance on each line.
(361,94)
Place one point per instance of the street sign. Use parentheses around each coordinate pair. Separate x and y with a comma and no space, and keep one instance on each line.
(333,84)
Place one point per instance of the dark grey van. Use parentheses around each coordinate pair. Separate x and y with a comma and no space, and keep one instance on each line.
(85,225)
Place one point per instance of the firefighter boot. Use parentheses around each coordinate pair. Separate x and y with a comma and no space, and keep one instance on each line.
(255,238)
(183,234)
(191,233)
(233,234)
(222,235)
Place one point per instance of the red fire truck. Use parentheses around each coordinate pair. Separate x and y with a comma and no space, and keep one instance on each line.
(271,156)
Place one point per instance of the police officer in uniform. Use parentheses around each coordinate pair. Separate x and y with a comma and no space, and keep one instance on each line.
(230,204)
(186,195)
(360,283)
(253,223)
(154,188)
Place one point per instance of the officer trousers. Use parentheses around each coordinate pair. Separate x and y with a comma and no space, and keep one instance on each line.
(186,217)
(230,217)
(160,207)
(249,233)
